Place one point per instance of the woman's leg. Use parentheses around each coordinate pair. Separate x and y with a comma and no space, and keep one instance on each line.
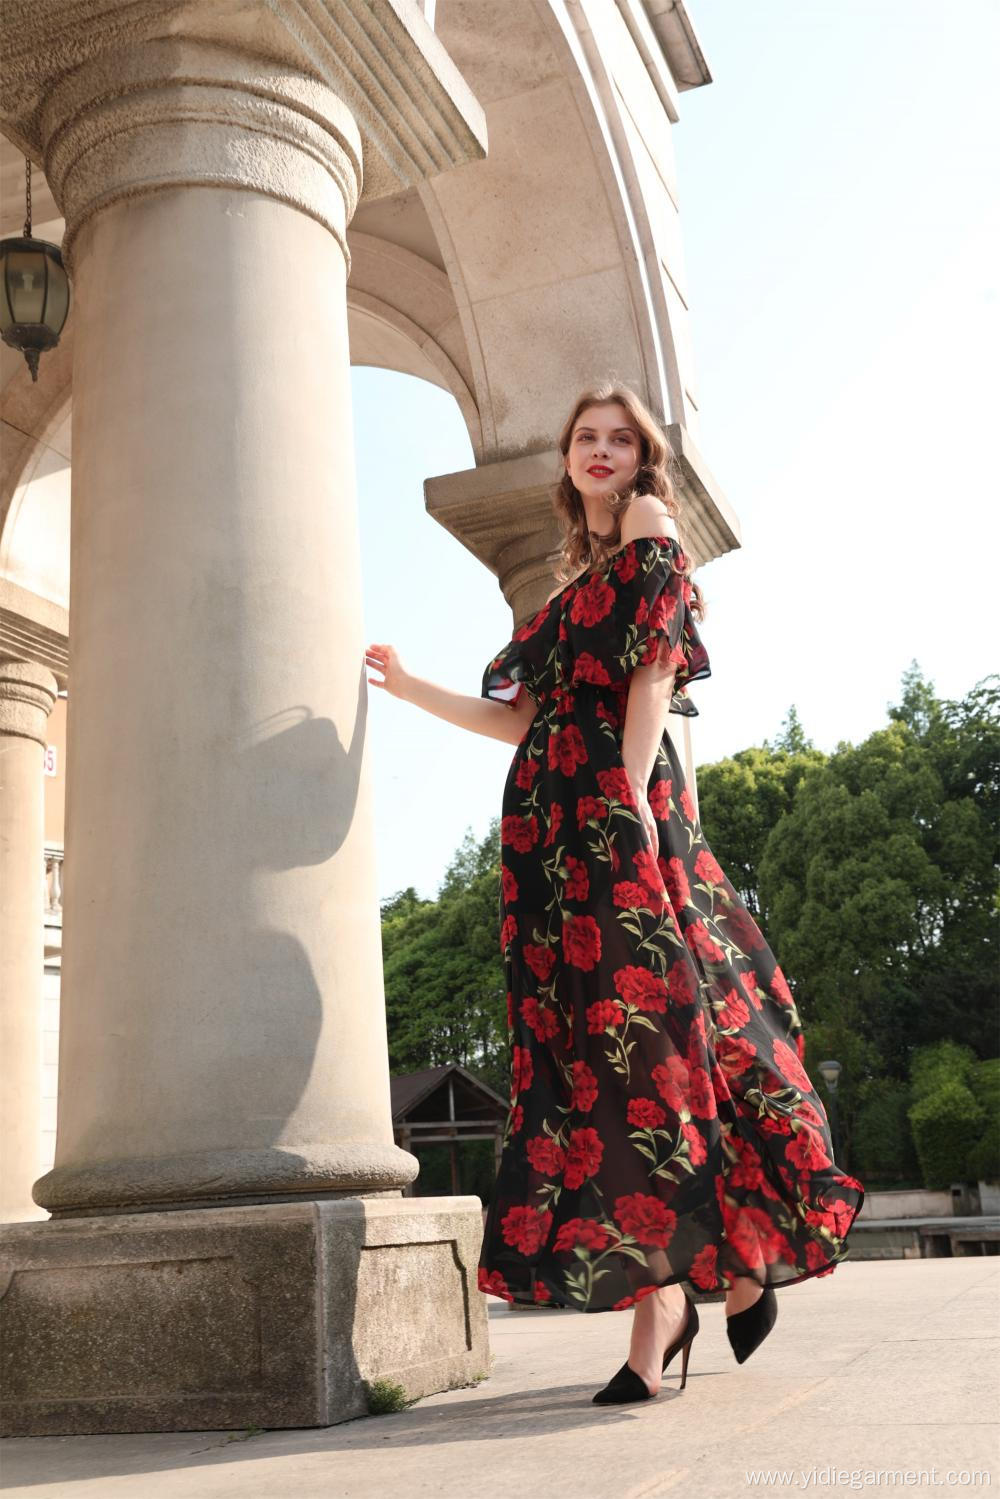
(657,1320)
(743,1292)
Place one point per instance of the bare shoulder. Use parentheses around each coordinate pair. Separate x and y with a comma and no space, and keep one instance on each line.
(647,516)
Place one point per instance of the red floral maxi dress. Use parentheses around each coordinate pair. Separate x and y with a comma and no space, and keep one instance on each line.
(662,1125)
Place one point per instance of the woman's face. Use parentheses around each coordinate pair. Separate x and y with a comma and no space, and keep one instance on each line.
(606,441)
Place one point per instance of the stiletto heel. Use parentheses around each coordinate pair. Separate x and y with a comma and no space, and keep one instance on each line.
(627,1385)
(684,1362)
(746,1330)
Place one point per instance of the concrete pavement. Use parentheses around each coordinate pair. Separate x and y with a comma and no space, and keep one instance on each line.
(884,1365)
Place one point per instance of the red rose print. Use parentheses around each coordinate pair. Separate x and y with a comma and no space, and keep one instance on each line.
(659,800)
(522,1070)
(590,668)
(648,869)
(816,1117)
(582,942)
(582,1232)
(707,868)
(687,806)
(700,942)
(539,960)
(567,750)
(545,1155)
(602,1014)
(642,988)
(516,1118)
(645,1218)
(780,989)
(589,807)
(751,989)
(583,1156)
(539,1018)
(734,1013)
(507,932)
(584,1094)
(630,896)
(701,1096)
(752,1234)
(681,982)
(743,929)
(627,565)
(577,881)
(787,1063)
(509,884)
(806,1151)
(616,784)
(520,832)
(735,1053)
(703,1273)
(816,1257)
(555,822)
(697,1151)
(593,602)
(645,1113)
(837,1217)
(677,884)
(493,1284)
(525,774)
(672,1080)
(526,1229)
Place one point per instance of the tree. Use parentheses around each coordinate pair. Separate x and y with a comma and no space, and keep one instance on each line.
(444,978)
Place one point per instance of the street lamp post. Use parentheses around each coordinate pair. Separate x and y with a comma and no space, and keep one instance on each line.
(830,1071)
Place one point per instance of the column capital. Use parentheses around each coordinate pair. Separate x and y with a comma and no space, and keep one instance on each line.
(177,112)
(28,693)
(295,101)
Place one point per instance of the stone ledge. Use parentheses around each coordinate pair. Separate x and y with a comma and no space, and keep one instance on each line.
(260,1316)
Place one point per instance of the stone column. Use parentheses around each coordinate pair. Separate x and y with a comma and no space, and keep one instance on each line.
(223,1031)
(27,696)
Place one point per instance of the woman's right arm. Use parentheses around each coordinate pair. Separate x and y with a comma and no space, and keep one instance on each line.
(480,715)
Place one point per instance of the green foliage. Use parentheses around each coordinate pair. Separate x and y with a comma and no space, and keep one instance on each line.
(883,1141)
(741,801)
(946,1126)
(385,1397)
(984,1084)
(943,1062)
(444,982)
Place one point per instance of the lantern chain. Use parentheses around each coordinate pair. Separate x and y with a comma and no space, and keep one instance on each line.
(27,196)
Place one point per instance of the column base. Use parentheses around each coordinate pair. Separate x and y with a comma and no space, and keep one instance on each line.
(268,1316)
(227,1178)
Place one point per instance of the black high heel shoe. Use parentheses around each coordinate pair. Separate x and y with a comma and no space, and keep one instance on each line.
(627,1385)
(747,1329)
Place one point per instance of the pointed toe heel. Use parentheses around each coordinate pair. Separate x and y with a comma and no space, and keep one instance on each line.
(748,1329)
(626,1385)
(623,1387)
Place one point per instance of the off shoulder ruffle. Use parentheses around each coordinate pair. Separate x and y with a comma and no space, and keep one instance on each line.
(596,632)
(633,607)
(521,662)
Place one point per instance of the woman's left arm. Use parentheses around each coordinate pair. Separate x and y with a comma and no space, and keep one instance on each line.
(649,694)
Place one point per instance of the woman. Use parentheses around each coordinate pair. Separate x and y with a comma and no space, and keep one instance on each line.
(663,1131)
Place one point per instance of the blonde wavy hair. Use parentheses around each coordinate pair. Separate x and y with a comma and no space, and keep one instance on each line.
(657,473)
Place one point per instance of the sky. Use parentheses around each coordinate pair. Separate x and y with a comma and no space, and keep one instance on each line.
(842,238)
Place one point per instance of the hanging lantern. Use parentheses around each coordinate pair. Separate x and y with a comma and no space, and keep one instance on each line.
(34,291)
